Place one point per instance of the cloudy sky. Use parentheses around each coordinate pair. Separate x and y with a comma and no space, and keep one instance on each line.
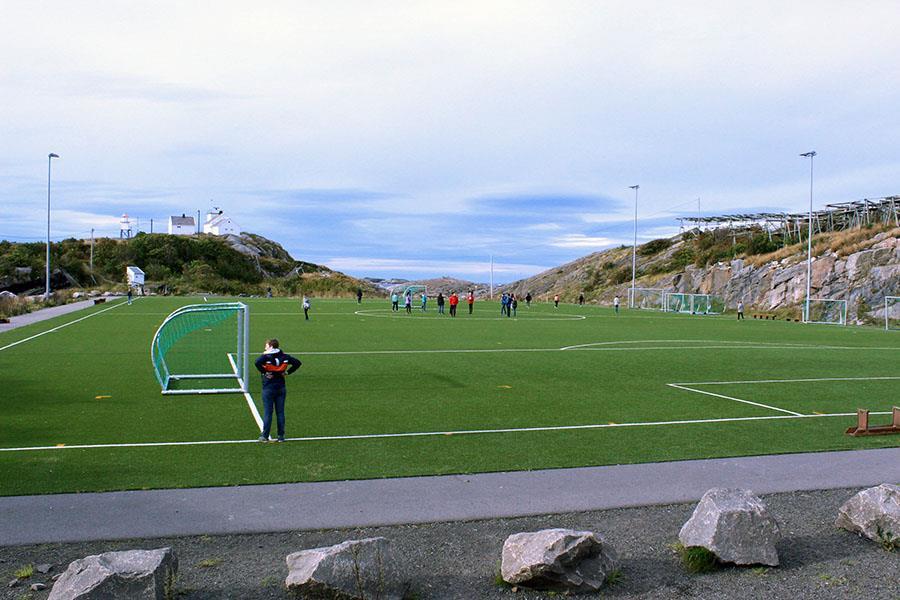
(413,139)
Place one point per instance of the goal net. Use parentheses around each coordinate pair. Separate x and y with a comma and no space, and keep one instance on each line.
(826,311)
(694,304)
(891,312)
(646,298)
(203,349)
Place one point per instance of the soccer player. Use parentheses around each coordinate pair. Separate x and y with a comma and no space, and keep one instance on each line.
(513,303)
(504,304)
(440,303)
(306,306)
(528,299)
(470,298)
(616,304)
(395,302)
(359,295)
(740,308)
(424,301)
(556,301)
(129,296)
(407,303)
(274,364)
(454,301)
(580,299)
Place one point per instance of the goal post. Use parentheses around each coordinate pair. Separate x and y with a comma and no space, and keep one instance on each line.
(892,313)
(203,349)
(826,311)
(693,304)
(646,298)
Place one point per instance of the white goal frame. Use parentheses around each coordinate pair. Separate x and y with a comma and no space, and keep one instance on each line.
(239,359)
(690,304)
(634,292)
(887,304)
(808,305)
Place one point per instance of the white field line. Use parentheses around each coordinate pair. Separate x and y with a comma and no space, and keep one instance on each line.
(372,436)
(402,315)
(592,344)
(681,387)
(58,327)
(247,396)
(886,378)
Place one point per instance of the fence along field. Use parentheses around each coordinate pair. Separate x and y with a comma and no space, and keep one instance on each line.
(383,394)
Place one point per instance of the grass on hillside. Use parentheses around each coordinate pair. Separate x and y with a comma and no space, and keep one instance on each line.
(563,387)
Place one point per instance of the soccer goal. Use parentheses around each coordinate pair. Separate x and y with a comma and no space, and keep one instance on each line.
(892,312)
(828,311)
(694,304)
(646,298)
(203,349)
(412,290)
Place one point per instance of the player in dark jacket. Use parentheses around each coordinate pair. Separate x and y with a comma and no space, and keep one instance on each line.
(274,365)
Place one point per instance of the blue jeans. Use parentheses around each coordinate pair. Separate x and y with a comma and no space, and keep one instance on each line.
(273,397)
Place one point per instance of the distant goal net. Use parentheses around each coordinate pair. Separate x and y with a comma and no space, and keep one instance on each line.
(203,349)
(892,312)
(646,298)
(694,304)
(827,311)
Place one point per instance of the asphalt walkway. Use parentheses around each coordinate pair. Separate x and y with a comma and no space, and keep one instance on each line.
(44,314)
(346,504)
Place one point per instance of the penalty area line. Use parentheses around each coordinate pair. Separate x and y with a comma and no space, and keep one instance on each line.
(681,387)
(374,436)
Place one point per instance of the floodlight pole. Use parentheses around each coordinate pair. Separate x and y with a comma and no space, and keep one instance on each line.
(634,248)
(50,158)
(492,276)
(810,155)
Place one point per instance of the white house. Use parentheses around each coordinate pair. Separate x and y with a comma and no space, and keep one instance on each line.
(135,276)
(219,224)
(182,225)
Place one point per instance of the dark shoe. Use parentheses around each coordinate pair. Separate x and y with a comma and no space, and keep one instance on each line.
(281,439)
(263,439)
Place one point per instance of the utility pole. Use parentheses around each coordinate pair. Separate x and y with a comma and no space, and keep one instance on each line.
(151,225)
(810,155)
(92,252)
(492,276)
(634,248)
(50,158)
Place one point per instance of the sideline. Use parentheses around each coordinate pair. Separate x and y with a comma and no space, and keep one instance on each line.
(58,327)
(375,436)
(408,500)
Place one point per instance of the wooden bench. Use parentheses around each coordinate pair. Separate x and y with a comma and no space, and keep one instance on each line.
(863,427)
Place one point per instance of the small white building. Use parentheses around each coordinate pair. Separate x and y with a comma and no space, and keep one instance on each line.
(135,276)
(219,224)
(182,225)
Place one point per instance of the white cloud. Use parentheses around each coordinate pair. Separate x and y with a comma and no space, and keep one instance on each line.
(578,240)
(433,267)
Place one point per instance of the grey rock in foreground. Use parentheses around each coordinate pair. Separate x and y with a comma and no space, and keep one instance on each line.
(355,569)
(130,574)
(735,526)
(557,559)
(873,512)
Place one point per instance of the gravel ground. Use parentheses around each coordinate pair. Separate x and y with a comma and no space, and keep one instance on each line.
(461,560)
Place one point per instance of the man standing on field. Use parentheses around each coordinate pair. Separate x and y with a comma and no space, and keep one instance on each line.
(274,365)
(470,298)
(616,304)
(454,301)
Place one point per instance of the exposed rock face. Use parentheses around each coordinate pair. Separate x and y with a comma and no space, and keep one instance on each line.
(356,569)
(874,513)
(557,559)
(735,526)
(140,574)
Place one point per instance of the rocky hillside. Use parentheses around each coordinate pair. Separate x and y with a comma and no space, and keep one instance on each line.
(860,266)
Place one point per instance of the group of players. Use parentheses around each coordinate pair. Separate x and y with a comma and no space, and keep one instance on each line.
(509,302)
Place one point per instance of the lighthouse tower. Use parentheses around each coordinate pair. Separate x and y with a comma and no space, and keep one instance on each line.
(125,227)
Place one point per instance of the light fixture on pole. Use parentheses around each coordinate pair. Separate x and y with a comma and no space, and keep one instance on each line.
(810,155)
(50,158)
(634,248)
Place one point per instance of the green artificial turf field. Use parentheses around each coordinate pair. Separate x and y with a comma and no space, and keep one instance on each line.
(384,394)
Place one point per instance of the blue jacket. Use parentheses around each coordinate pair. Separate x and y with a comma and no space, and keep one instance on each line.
(274,366)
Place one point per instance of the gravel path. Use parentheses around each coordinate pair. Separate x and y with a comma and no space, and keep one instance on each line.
(460,560)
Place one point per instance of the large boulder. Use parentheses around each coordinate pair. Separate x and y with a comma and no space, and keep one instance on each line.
(355,569)
(138,574)
(557,559)
(874,513)
(735,526)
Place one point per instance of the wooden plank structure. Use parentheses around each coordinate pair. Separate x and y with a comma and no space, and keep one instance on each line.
(863,428)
